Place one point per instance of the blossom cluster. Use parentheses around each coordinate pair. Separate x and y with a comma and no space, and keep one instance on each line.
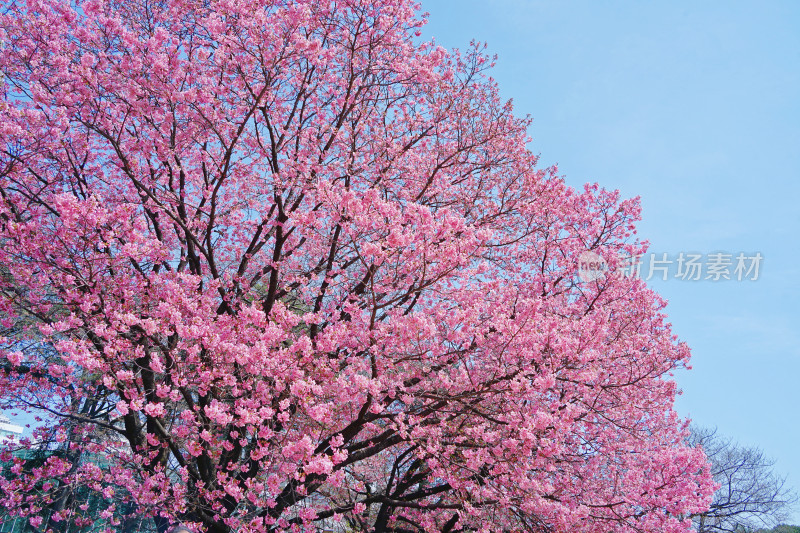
(275,265)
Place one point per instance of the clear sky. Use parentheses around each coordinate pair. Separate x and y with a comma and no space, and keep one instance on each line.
(695,107)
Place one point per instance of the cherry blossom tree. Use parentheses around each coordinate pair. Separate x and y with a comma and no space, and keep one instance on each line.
(281,266)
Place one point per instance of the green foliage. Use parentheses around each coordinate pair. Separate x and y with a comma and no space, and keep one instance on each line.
(94,502)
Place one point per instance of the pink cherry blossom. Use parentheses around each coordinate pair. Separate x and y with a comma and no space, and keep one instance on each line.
(275,265)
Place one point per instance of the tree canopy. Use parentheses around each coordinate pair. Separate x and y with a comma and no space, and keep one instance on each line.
(280,266)
(751,495)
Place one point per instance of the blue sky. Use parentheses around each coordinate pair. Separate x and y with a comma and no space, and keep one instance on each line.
(695,107)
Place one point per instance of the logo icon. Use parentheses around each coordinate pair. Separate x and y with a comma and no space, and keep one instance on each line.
(591,266)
